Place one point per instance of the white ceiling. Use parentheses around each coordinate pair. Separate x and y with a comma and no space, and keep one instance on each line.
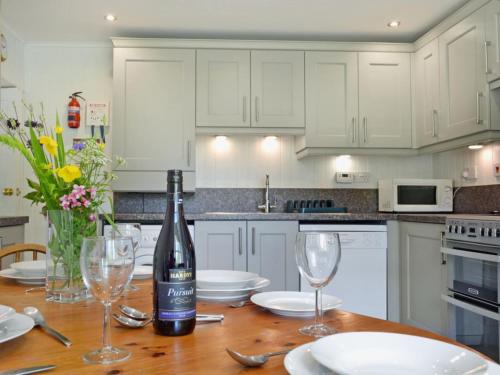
(342,20)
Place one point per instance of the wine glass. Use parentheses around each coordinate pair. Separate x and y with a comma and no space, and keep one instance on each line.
(132,230)
(107,265)
(318,256)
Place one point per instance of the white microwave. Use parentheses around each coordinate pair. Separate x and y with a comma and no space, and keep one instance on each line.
(415,195)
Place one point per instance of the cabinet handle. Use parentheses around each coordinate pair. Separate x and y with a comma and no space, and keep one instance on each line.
(478,109)
(486,45)
(365,129)
(434,129)
(253,240)
(353,129)
(189,153)
(244,109)
(443,255)
(257,109)
(240,244)
(1,242)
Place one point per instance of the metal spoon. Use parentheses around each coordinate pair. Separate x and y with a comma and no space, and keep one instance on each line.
(37,316)
(239,304)
(254,360)
(133,313)
(133,323)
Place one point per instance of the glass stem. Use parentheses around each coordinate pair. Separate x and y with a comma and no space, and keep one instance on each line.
(106,328)
(318,319)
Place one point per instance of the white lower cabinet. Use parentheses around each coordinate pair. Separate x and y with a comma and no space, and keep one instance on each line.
(423,276)
(263,247)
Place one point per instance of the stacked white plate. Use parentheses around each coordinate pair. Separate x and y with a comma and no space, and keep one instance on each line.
(227,286)
(294,304)
(378,353)
(142,272)
(29,272)
(13,325)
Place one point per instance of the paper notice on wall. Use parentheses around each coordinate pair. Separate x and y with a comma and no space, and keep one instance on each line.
(97,114)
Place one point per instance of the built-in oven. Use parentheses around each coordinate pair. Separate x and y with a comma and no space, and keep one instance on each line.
(472,255)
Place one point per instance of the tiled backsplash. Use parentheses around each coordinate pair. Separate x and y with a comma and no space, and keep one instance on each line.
(245,200)
(474,199)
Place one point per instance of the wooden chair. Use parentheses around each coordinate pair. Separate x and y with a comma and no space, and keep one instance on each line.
(20,248)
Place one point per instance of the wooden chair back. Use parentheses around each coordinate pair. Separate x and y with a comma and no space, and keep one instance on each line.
(18,249)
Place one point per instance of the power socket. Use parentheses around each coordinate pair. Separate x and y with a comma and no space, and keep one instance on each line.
(496,170)
(362,177)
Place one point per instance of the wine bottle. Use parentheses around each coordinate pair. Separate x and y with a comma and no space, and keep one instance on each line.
(174,268)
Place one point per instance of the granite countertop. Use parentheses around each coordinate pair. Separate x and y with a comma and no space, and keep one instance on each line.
(10,221)
(212,216)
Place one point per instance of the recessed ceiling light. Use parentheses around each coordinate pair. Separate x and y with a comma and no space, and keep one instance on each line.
(110,17)
(475,147)
(394,24)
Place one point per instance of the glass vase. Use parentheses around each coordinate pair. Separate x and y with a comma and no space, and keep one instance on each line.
(64,282)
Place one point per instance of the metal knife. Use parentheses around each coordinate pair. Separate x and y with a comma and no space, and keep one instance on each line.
(28,370)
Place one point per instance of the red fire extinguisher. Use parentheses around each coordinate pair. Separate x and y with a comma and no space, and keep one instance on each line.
(74,110)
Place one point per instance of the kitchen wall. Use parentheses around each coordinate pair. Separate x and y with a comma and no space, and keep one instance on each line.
(242,161)
(52,73)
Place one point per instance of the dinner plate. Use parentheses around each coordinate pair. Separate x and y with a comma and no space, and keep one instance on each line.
(6,312)
(293,304)
(16,326)
(234,298)
(301,362)
(257,284)
(32,268)
(143,272)
(224,279)
(381,353)
(11,273)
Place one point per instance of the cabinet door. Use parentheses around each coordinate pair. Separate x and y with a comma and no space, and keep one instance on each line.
(277,89)
(464,94)
(220,245)
(154,117)
(222,88)
(492,56)
(385,99)
(271,247)
(427,94)
(331,99)
(423,277)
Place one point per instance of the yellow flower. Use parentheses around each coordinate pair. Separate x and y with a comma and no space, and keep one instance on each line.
(101,146)
(69,172)
(49,143)
(58,130)
(48,166)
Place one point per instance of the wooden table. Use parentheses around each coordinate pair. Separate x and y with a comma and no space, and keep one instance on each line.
(248,329)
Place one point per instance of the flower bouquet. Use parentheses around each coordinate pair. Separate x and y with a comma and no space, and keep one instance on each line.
(71,185)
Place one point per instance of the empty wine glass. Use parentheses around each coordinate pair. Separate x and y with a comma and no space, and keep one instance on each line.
(132,230)
(317,255)
(107,265)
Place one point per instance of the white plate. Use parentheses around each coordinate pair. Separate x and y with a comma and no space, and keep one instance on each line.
(224,279)
(381,353)
(143,272)
(301,362)
(6,312)
(256,285)
(293,304)
(235,298)
(17,326)
(11,273)
(32,268)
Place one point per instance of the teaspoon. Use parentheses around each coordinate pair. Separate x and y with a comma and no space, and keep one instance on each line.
(254,360)
(37,316)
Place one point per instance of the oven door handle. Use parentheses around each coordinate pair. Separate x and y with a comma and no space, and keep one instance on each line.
(471,254)
(470,307)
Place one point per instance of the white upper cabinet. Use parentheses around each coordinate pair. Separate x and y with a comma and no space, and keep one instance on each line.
(385,100)
(154,114)
(331,99)
(464,93)
(277,89)
(492,56)
(427,107)
(223,88)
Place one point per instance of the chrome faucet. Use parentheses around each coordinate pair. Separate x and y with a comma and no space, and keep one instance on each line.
(267,206)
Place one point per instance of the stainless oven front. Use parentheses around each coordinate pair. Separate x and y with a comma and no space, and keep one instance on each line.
(473,300)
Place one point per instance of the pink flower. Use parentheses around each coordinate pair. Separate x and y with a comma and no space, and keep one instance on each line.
(85,202)
(92,192)
(92,217)
(78,191)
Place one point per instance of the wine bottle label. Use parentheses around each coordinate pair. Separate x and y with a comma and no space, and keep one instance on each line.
(177,297)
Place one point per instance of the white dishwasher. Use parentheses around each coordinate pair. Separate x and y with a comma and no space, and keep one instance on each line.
(361,279)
